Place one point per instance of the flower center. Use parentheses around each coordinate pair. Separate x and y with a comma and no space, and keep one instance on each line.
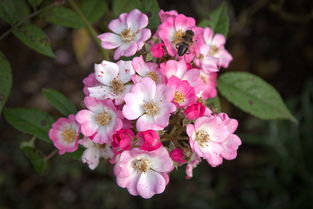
(127,35)
(153,76)
(179,97)
(179,36)
(100,146)
(150,108)
(202,137)
(103,118)
(117,86)
(141,165)
(213,50)
(69,135)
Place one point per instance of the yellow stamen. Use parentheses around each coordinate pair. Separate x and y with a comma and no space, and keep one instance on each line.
(69,135)
(153,76)
(103,118)
(150,108)
(179,97)
(179,37)
(127,35)
(117,86)
(202,137)
(141,165)
(213,50)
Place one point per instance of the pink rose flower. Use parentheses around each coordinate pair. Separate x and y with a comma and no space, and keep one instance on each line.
(100,120)
(150,104)
(177,155)
(143,173)
(184,93)
(210,48)
(149,140)
(94,152)
(157,50)
(122,139)
(194,111)
(113,80)
(172,30)
(129,34)
(146,70)
(64,134)
(206,137)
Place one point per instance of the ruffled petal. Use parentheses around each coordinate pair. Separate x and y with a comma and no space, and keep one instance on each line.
(110,40)
(150,183)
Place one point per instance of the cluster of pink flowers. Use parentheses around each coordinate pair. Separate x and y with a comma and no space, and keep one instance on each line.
(147,118)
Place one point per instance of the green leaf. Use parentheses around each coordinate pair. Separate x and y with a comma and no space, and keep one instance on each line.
(36,158)
(35,3)
(75,155)
(93,9)
(13,11)
(30,121)
(59,101)
(214,104)
(219,20)
(253,95)
(122,6)
(63,16)
(35,38)
(5,80)
(152,9)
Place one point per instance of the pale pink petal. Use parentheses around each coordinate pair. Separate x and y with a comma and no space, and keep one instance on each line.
(125,70)
(110,40)
(118,25)
(91,157)
(136,20)
(150,183)
(184,23)
(106,71)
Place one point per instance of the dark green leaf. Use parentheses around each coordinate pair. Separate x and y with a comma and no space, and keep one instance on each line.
(122,6)
(214,104)
(35,3)
(253,95)
(35,38)
(13,11)
(59,101)
(36,158)
(63,16)
(5,80)
(75,155)
(93,9)
(30,121)
(152,9)
(219,20)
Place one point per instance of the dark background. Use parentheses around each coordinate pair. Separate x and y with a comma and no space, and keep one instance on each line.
(274,167)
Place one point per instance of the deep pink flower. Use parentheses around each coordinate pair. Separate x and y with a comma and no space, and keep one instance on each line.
(150,104)
(129,34)
(64,134)
(157,50)
(206,137)
(172,30)
(100,120)
(94,152)
(146,70)
(143,173)
(166,14)
(149,140)
(184,93)
(177,155)
(122,139)
(194,111)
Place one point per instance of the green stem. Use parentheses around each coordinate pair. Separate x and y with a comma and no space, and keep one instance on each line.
(90,29)
(50,155)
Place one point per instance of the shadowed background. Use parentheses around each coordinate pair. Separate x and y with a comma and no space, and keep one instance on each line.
(274,165)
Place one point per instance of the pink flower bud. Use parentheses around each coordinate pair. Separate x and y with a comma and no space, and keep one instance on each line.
(195,111)
(157,50)
(149,140)
(177,155)
(123,139)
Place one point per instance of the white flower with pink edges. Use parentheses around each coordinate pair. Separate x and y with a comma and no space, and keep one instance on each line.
(150,104)
(146,69)
(94,152)
(100,120)
(64,134)
(143,173)
(129,34)
(114,80)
